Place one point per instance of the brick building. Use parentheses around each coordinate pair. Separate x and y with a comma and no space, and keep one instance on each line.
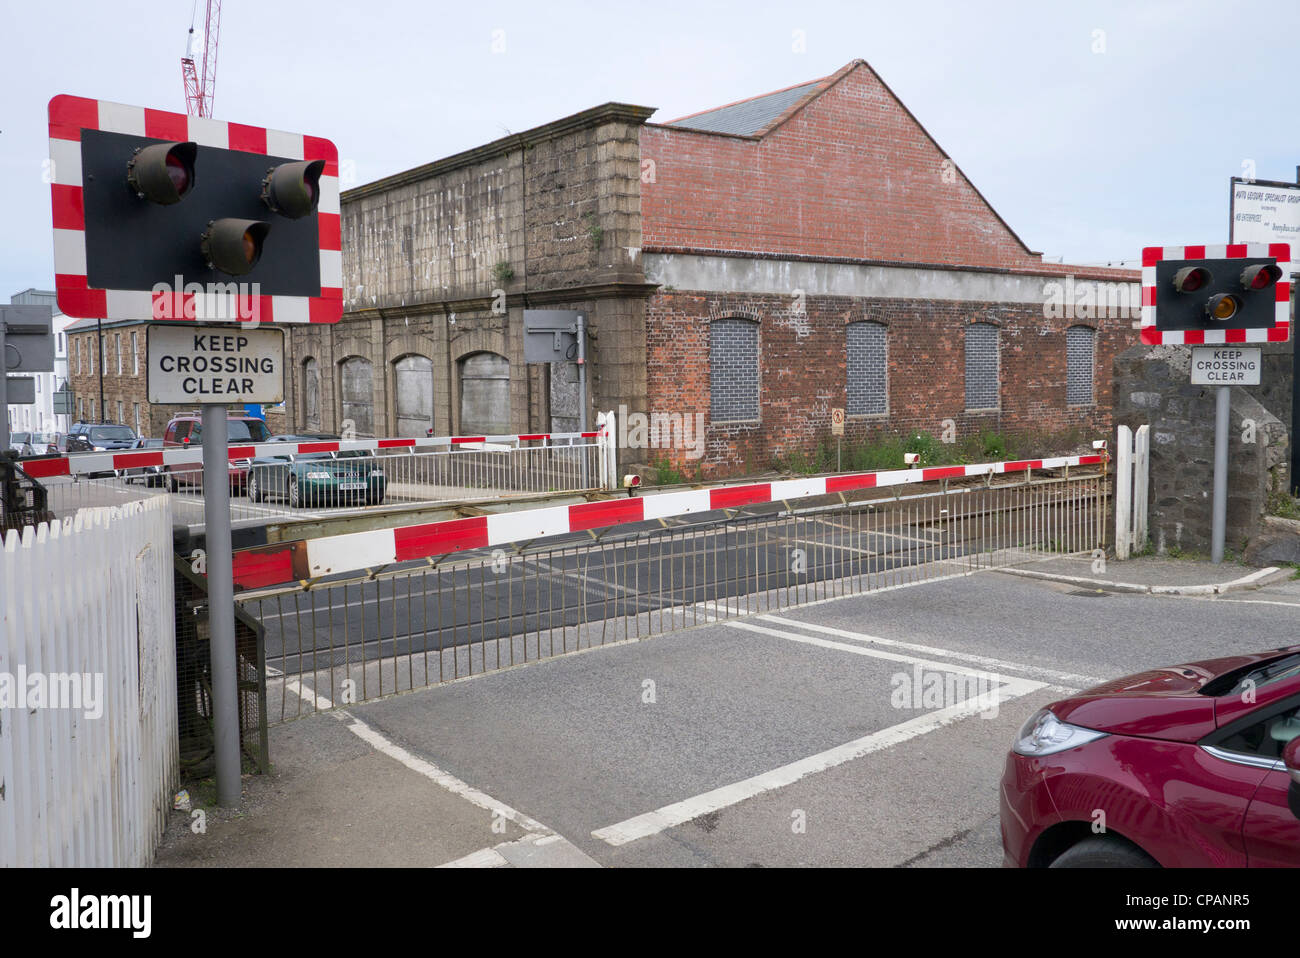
(757,265)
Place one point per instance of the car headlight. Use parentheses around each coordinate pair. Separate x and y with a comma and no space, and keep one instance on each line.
(318,475)
(1045,734)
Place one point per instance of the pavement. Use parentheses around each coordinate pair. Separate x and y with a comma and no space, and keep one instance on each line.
(766,740)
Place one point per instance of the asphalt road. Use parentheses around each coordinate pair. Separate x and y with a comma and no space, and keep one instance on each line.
(782,740)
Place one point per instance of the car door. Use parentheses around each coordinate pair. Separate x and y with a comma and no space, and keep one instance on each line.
(1272,828)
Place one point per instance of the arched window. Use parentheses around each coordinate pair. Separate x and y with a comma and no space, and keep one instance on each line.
(867,365)
(356,380)
(733,370)
(311,395)
(413,395)
(981,366)
(1079,347)
(484,394)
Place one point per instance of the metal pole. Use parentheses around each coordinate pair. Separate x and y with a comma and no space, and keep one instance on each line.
(99,331)
(221,604)
(1222,400)
(582,388)
(4,391)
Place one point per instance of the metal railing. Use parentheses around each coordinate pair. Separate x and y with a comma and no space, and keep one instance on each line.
(350,640)
(347,481)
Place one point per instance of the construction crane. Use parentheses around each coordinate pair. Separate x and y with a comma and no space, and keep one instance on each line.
(201,86)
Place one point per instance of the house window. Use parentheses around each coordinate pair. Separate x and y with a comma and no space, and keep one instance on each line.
(136,410)
(733,370)
(78,342)
(81,409)
(867,369)
(413,395)
(135,355)
(484,394)
(356,381)
(117,348)
(120,420)
(1079,345)
(981,366)
(91,354)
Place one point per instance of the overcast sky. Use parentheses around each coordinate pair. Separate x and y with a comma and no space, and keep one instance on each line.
(1094,128)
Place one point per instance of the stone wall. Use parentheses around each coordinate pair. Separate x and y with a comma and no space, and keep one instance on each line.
(1151,386)
(441,261)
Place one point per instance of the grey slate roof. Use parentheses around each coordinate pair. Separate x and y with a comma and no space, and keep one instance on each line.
(749,116)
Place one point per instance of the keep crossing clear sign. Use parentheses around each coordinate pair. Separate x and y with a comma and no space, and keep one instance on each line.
(215,364)
(1225,366)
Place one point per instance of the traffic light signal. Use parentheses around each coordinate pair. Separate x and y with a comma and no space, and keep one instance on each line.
(149,206)
(1227,294)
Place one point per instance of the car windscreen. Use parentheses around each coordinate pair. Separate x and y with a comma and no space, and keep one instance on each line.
(110,433)
(237,430)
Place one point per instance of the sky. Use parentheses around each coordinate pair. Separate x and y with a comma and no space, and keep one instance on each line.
(1093,128)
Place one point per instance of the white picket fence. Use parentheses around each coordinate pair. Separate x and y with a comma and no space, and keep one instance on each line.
(91,596)
(1132,472)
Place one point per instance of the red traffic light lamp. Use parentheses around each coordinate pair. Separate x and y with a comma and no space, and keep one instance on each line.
(162,173)
(1260,275)
(293,189)
(1191,278)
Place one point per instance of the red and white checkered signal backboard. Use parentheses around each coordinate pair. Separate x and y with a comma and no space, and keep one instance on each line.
(71,115)
(1278,333)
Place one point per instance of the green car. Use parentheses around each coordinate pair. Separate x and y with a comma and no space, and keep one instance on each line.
(316,478)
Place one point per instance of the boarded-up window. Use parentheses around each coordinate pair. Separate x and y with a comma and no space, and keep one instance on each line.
(733,370)
(311,395)
(1078,364)
(356,384)
(484,395)
(867,384)
(981,366)
(413,393)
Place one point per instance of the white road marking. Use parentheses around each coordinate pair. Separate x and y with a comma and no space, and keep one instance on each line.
(1050,675)
(651,823)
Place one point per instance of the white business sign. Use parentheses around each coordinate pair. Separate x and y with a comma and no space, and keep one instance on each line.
(215,364)
(1265,212)
(1225,366)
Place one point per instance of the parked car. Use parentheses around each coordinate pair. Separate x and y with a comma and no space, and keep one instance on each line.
(316,478)
(38,443)
(1193,765)
(21,443)
(186,429)
(152,475)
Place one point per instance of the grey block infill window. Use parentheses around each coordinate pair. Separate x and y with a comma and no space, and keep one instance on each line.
(867,386)
(1079,346)
(981,366)
(733,370)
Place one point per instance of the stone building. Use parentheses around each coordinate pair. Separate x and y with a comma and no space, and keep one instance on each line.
(750,268)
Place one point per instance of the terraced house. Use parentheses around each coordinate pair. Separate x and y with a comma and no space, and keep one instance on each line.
(759,264)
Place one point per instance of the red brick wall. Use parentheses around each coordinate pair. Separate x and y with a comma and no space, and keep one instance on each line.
(803,377)
(852,174)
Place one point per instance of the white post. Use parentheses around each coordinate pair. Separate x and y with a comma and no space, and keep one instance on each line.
(1123,491)
(1141,482)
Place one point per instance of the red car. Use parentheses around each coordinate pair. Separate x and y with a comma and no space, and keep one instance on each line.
(186,430)
(1194,765)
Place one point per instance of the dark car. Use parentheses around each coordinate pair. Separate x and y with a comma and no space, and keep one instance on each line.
(316,478)
(186,429)
(104,436)
(152,475)
(1192,765)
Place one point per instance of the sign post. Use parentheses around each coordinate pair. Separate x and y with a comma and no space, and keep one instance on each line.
(258,244)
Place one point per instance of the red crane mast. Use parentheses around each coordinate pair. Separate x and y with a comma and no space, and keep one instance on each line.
(201,80)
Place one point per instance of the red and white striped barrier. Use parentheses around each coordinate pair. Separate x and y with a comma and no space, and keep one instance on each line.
(80,464)
(351,552)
